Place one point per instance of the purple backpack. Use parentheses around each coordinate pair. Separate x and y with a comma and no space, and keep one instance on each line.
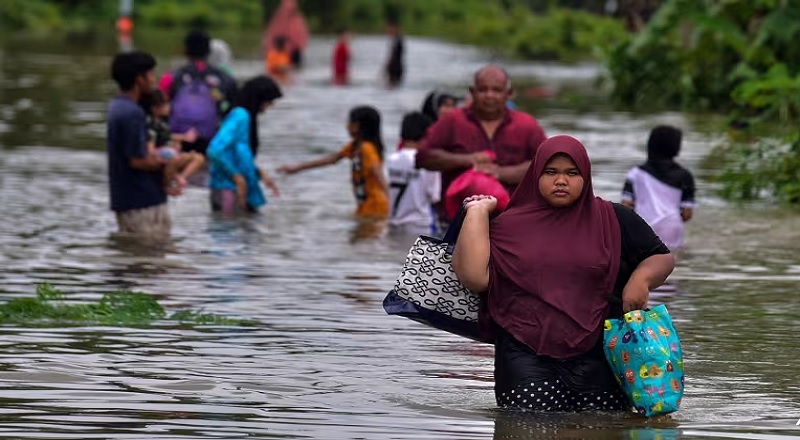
(194,105)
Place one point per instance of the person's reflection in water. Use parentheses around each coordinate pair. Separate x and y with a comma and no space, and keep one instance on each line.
(515,424)
(141,256)
(368,229)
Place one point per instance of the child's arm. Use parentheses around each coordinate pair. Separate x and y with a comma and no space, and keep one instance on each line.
(328,159)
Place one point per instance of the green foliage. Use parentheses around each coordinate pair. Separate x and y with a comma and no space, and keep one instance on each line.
(534,29)
(762,168)
(737,56)
(123,307)
(27,14)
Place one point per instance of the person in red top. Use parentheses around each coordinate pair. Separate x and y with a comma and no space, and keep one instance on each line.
(460,139)
(341,59)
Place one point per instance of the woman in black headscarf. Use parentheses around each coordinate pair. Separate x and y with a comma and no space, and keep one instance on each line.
(438,103)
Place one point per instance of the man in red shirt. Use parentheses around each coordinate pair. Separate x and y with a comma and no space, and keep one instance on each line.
(461,139)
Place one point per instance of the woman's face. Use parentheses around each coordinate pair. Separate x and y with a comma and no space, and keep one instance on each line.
(561,182)
(265,106)
(446,105)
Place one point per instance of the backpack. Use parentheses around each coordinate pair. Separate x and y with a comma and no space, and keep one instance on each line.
(194,105)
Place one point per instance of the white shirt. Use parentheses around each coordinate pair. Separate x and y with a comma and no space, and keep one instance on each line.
(412,192)
(658,204)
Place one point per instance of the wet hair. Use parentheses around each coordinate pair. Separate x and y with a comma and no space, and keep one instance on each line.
(280,42)
(414,126)
(434,100)
(369,126)
(126,67)
(254,93)
(150,101)
(197,44)
(664,143)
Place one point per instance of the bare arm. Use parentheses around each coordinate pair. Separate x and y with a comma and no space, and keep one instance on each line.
(514,173)
(649,274)
(328,159)
(440,160)
(471,254)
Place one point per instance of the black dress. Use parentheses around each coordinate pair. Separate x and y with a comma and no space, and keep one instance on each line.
(526,380)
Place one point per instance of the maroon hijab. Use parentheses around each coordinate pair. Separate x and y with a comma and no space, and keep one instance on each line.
(552,270)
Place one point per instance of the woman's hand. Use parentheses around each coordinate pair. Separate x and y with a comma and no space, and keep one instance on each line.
(241,190)
(635,295)
(481,202)
(269,183)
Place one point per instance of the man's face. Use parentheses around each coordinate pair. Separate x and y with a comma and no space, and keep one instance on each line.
(490,93)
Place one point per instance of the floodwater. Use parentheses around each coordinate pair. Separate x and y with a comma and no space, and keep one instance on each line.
(324,361)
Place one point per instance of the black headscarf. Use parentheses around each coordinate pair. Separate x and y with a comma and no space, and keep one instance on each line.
(663,146)
(253,95)
(434,100)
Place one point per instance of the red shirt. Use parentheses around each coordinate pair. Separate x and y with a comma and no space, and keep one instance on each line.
(341,57)
(515,141)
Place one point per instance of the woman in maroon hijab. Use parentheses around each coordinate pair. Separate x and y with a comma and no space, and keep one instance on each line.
(554,265)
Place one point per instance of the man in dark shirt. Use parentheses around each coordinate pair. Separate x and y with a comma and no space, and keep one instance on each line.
(461,139)
(136,180)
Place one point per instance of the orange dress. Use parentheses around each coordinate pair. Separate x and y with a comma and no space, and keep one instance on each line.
(373,202)
(278,63)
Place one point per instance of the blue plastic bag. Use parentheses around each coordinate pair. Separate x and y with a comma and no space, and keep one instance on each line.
(644,353)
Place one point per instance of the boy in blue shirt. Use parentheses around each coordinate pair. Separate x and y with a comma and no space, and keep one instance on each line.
(136,179)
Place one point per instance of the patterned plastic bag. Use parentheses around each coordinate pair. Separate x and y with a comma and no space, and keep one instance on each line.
(644,353)
(428,290)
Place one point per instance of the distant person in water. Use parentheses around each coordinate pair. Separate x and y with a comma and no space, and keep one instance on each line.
(278,61)
(395,66)
(365,150)
(341,59)
(438,103)
(288,21)
(660,190)
(221,55)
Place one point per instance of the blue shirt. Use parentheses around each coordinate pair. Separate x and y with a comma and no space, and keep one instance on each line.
(229,153)
(126,138)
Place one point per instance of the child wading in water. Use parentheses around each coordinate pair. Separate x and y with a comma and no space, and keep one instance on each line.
(413,191)
(163,144)
(366,152)
(660,190)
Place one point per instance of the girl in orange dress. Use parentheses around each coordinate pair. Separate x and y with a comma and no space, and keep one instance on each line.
(366,153)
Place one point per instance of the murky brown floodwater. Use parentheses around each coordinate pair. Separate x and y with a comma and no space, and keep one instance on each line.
(325,361)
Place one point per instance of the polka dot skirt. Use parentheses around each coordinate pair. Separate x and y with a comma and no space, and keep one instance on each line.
(556,396)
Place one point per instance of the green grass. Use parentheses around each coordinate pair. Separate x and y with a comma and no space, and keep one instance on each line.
(118,308)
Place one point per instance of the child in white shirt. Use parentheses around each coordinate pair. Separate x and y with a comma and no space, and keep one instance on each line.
(412,191)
